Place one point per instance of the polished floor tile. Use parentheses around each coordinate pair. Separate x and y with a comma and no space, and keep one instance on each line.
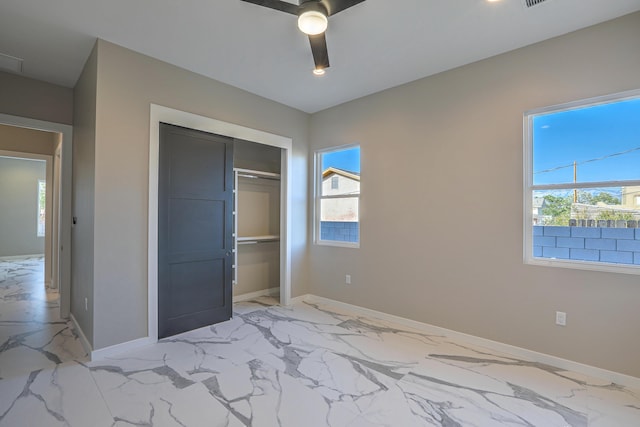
(32,334)
(306,365)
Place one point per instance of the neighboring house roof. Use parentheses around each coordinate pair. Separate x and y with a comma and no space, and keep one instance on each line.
(538,202)
(331,170)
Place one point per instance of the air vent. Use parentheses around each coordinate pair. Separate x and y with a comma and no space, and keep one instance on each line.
(531,3)
(10,63)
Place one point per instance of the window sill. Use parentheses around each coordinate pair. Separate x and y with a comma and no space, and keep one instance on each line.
(337,243)
(585,265)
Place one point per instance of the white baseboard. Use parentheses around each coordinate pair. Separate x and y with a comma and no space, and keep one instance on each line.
(114,350)
(14,257)
(519,352)
(257,294)
(299,299)
(83,338)
(107,352)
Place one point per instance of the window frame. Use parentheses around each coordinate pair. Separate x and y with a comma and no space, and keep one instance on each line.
(529,187)
(317,198)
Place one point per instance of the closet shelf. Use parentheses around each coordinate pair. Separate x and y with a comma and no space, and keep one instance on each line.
(249,240)
(255,174)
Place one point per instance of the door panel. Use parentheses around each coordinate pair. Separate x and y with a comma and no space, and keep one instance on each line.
(196,172)
(195,202)
(196,226)
(193,279)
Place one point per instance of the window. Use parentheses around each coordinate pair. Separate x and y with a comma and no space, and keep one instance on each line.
(582,182)
(337,215)
(42,197)
(335,182)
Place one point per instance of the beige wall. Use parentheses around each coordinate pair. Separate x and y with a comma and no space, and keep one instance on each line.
(13,138)
(128,83)
(258,268)
(631,197)
(258,215)
(82,234)
(421,143)
(25,97)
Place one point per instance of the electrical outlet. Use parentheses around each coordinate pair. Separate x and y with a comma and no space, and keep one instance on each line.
(347,279)
(561,318)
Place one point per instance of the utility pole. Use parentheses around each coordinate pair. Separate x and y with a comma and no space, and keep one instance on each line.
(575,179)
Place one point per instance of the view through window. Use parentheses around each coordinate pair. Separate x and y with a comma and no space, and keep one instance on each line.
(584,183)
(42,197)
(338,196)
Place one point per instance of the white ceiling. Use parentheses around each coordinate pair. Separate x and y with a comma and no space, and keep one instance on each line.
(374,45)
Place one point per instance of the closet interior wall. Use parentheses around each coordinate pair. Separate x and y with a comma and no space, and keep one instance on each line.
(257,222)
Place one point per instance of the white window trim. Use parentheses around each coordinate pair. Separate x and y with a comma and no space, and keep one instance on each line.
(317,215)
(529,188)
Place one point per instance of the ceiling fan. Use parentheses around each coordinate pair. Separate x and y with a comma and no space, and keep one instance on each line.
(312,20)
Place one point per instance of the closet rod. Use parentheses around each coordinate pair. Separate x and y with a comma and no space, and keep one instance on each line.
(244,175)
(252,173)
(255,242)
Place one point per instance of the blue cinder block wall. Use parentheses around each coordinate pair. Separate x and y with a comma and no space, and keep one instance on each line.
(339,231)
(613,245)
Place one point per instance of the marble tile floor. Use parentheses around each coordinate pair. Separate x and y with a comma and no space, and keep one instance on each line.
(32,334)
(311,365)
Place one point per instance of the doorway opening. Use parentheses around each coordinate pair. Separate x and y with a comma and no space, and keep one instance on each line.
(51,143)
(31,240)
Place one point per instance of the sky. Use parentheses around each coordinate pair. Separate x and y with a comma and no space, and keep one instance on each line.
(348,160)
(604,140)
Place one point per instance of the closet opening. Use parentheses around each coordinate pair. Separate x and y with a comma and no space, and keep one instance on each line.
(257,243)
(262,201)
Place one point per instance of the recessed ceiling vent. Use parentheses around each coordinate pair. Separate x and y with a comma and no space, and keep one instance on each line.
(531,3)
(10,63)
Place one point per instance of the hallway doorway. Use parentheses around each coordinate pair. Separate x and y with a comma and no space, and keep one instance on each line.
(56,148)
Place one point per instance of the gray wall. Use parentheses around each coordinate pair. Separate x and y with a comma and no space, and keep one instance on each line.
(127,83)
(25,97)
(19,206)
(457,136)
(82,234)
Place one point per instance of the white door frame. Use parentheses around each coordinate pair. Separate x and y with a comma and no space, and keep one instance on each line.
(171,116)
(64,251)
(55,217)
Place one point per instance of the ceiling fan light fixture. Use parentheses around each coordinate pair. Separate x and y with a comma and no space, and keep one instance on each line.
(312,22)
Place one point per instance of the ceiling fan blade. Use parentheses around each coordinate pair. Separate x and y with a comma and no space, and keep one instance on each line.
(335,6)
(319,51)
(282,6)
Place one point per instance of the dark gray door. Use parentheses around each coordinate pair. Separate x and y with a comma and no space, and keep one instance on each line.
(195,211)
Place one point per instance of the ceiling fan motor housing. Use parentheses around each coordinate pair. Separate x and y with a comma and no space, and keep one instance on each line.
(312,18)
(313,26)
(312,6)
